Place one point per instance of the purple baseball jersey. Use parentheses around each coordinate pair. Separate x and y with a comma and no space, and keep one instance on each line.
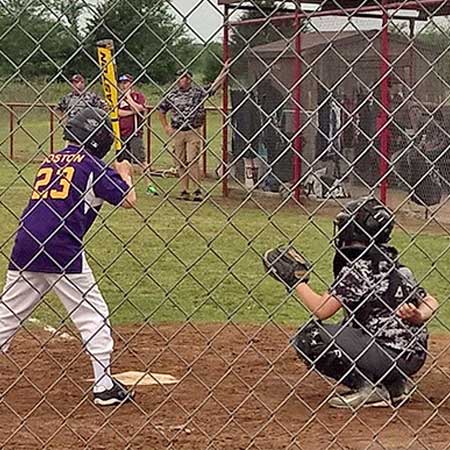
(68,192)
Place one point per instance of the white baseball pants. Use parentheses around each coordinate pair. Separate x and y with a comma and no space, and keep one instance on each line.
(83,301)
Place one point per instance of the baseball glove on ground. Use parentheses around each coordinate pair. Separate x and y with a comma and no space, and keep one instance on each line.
(286,265)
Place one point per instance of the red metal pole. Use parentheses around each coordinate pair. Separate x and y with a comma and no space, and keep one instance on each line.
(11,132)
(149,140)
(412,56)
(205,146)
(52,131)
(297,163)
(385,105)
(226,56)
(347,12)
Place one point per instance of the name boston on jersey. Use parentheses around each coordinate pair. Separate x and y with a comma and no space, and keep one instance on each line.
(68,192)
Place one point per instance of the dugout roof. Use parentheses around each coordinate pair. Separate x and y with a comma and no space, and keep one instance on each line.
(425,8)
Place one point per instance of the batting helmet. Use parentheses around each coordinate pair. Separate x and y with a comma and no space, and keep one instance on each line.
(91,128)
(364,220)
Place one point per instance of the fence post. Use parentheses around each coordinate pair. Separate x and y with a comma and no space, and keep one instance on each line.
(149,139)
(226,57)
(297,166)
(384,105)
(52,131)
(205,146)
(11,132)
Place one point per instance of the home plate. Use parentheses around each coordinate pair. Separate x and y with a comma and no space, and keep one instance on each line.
(134,378)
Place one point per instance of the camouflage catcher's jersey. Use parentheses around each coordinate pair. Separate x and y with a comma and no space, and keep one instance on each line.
(371,287)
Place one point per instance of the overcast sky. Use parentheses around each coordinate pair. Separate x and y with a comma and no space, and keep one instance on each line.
(204,17)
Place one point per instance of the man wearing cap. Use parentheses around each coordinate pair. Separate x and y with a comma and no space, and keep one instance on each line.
(74,102)
(132,111)
(186,106)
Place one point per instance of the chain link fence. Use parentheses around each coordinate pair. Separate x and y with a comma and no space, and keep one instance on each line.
(235,127)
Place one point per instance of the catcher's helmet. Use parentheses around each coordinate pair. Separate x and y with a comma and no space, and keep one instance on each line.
(364,220)
(91,128)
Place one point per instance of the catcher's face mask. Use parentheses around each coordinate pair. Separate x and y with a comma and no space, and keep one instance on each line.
(363,222)
(343,229)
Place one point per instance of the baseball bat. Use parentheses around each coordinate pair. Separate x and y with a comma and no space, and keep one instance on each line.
(105,54)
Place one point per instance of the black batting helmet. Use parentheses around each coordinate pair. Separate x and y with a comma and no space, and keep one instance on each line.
(364,220)
(91,128)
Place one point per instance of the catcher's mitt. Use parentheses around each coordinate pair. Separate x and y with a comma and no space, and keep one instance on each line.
(286,265)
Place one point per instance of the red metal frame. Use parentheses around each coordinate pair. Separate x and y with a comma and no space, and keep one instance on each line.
(297,166)
(52,130)
(226,57)
(385,105)
(205,149)
(149,140)
(352,11)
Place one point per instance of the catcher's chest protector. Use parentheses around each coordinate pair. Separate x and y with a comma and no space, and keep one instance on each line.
(392,288)
(391,284)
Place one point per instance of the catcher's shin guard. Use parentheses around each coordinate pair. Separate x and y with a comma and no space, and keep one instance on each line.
(315,345)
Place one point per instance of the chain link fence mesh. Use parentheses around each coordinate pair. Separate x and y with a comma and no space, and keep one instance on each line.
(249,124)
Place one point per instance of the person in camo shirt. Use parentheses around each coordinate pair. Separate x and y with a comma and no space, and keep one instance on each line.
(186,104)
(71,104)
(383,339)
(48,254)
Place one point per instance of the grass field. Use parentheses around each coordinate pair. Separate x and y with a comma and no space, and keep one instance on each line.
(168,261)
(171,261)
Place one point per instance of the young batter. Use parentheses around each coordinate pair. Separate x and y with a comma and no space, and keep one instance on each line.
(48,253)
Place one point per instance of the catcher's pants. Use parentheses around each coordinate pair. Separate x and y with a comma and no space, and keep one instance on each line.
(79,294)
(353,357)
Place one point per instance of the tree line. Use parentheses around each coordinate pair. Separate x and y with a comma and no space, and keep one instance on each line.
(56,38)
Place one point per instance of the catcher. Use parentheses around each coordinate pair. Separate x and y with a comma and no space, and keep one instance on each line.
(382,340)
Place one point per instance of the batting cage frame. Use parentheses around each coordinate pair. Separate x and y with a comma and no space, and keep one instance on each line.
(272,290)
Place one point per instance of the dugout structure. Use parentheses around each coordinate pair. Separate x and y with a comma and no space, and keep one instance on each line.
(364,106)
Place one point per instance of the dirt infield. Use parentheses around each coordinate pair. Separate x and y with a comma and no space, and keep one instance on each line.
(241,388)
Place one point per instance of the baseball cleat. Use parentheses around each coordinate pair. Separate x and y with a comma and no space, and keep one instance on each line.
(368,397)
(198,196)
(185,195)
(402,392)
(118,394)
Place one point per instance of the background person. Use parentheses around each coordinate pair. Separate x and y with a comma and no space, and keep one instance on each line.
(132,110)
(186,105)
(78,99)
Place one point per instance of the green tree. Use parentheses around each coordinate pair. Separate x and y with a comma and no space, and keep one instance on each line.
(70,11)
(438,38)
(15,8)
(211,62)
(32,43)
(147,38)
(435,37)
